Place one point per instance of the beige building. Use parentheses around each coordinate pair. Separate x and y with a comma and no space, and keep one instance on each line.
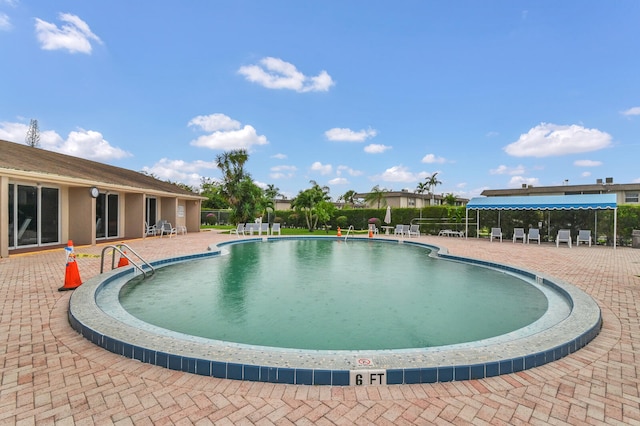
(626,193)
(48,198)
(406,199)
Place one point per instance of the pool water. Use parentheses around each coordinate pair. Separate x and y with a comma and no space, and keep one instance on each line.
(323,294)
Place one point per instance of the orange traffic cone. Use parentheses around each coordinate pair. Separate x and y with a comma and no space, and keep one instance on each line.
(72,275)
(370,233)
(123,260)
(339,233)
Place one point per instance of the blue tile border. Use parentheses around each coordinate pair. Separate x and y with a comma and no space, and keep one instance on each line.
(328,376)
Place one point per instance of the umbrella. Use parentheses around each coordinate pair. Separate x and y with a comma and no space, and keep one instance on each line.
(387,217)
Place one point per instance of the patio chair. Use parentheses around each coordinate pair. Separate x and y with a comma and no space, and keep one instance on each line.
(584,236)
(275,228)
(414,231)
(564,236)
(518,234)
(264,228)
(150,229)
(495,233)
(239,230)
(167,229)
(373,228)
(399,230)
(534,234)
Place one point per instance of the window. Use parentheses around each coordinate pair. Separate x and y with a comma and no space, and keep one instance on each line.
(411,202)
(631,197)
(33,215)
(107,215)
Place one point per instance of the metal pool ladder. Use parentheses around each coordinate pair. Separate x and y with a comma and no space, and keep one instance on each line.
(122,249)
(348,231)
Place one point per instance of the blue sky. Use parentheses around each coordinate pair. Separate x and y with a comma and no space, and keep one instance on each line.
(350,94)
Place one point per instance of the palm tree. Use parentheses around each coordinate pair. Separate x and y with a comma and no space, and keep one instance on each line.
(236,185)
(376,195)
(307,201)
(431,182)
(349,197)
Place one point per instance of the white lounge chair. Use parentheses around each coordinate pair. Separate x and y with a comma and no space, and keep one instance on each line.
(564,236)
(264,228)
(373,228)
(399,230)
(518,234)
(150,229)
(167,229)
(584,236)
(495,233)
(534,234)
(414,231)
(239,230)
(275,228)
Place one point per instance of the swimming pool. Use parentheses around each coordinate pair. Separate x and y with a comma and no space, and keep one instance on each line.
(554,335)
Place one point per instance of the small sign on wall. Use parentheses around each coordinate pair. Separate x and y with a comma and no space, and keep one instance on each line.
(180,211)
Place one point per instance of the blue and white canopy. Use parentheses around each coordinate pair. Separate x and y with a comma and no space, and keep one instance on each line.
(545,202)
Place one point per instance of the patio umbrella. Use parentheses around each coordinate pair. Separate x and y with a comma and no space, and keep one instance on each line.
(387,217)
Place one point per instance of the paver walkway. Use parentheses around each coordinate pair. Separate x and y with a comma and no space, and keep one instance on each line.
(51,375)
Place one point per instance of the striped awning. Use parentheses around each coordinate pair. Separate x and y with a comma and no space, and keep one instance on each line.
(545,202)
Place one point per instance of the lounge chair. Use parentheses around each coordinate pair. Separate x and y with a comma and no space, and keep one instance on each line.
(518,234)
(414,231)
(250,227)
(373,228)
(167,229)
(275,228)
(399,230)
(495,233)
(239,230)
(564,236)
(584,236)
(264,228)
(534,234)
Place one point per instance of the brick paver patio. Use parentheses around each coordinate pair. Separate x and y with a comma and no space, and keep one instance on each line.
(51,375)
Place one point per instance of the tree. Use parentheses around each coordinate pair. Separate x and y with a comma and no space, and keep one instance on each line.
(33,134)
(213,191)
(272,192)
(431,182)
(237,186)
(376,195)
(309,203)
(450,199)
(349,197)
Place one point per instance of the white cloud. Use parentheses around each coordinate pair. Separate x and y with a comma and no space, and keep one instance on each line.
(74,36)
(587,163)
(400,174)
(189,173)
(87,144)
(282,172)
(347,135)
(5,22)
(431,158)
(226,133)
(547,140)
(504,170)
(349,170)
(274,73)
(631,111)
(585,174)
(323,169)
(518,181)
(338,181)
(375,148)
(279,156)
(214,122)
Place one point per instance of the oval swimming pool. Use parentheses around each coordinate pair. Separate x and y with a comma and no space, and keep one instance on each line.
(571,320)
(336,295)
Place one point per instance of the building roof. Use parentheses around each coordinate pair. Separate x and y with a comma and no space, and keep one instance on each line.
(596,188)
(545,202)
(48,165)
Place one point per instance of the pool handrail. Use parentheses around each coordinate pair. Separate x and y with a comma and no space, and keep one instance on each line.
(122,249)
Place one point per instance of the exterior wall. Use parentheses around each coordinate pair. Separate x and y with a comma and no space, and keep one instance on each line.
(192,212)
(132,215)
(4,216)
(168,208)
(80,207)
